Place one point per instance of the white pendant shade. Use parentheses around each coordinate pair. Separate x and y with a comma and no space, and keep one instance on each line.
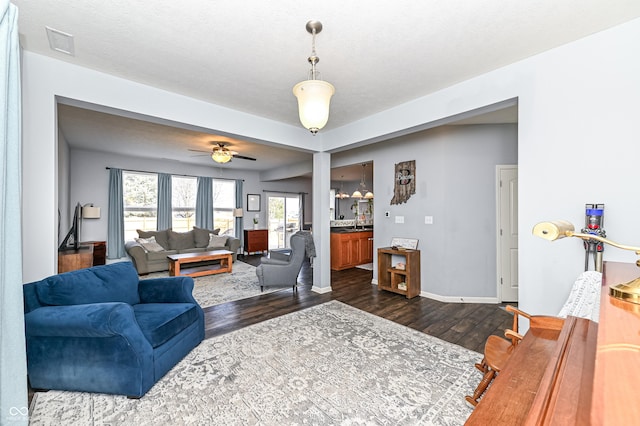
(356,194)
(314,97)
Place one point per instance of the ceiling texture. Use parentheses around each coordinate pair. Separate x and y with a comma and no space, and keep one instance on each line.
(248,55)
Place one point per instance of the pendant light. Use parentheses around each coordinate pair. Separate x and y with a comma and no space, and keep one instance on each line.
(357,194)
(314,95)
(341,194)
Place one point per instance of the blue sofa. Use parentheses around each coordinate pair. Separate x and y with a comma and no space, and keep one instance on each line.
(103,330)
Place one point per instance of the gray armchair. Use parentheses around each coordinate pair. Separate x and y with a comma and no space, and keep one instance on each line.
(281,269)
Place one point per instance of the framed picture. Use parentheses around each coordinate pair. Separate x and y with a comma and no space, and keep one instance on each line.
(405,243)
(253,202)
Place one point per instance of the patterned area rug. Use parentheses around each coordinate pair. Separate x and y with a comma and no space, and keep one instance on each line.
(212,290)
(326,365)
(367,266)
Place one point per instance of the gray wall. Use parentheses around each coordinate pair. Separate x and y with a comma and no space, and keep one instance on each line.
(456,184)
(89,180)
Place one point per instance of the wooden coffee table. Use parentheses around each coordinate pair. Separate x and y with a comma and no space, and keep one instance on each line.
(177,260)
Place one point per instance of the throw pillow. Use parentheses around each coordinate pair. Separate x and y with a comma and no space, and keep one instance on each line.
(181,240)
(217,241)
(149,244)
(201,236)
(162,237)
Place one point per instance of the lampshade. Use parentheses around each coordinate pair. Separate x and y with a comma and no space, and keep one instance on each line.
(356,194)
(90,212)
(238,212)
(221,156)
(314,97)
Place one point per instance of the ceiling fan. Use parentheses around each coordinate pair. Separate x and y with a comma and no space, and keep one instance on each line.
(221,154)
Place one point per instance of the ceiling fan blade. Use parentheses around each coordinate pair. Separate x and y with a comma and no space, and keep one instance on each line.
(199,150)
(242,157)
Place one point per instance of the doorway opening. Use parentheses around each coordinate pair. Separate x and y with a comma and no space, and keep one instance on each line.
(284,217)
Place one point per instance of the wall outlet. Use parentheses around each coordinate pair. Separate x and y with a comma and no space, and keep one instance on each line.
(387,214)
(399,219)
(428,220)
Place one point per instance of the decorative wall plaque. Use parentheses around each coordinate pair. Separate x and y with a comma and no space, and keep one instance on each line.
(405,182)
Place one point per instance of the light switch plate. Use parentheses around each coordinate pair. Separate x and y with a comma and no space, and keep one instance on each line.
(428,220)
(399,219)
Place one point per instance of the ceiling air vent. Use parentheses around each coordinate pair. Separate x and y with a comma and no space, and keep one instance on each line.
(60,41)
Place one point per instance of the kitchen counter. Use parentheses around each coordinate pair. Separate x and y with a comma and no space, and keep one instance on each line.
(346,230)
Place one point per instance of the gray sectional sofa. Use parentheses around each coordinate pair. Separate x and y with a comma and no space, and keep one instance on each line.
(149,257)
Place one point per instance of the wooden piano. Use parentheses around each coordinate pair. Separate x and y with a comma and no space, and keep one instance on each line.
(585,373)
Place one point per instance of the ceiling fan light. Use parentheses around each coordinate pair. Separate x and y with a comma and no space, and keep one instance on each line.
(314,98)
(221,156)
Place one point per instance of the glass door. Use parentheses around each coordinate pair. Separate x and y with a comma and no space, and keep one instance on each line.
(284,213)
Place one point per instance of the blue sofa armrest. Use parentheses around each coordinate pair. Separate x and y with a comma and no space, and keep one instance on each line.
(166,290)
(91,320)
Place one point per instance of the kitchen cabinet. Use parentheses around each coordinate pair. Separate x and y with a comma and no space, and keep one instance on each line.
(349,249)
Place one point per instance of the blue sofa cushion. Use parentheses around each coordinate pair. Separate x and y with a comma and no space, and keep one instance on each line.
(116,282)
(159,322)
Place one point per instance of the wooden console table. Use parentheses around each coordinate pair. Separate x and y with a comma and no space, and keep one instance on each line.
(71,260)
(585,373)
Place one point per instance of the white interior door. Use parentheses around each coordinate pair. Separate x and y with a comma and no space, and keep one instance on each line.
(508,233)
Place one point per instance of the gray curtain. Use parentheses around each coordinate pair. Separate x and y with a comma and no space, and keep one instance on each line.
(115,223)
(239,220)
(164,202)
(13,364)
(204,203)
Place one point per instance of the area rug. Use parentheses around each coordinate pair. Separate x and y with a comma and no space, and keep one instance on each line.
(326,365)
(367,266)
(211,290)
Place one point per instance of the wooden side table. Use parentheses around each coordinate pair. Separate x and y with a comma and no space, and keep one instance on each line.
(99,251)
(256,240)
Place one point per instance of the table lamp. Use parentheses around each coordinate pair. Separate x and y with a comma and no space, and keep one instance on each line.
(559,229)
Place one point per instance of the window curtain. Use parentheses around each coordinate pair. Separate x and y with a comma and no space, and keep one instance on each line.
(115,222)
(164,202)
(204,203)
(239,220)
(13,364)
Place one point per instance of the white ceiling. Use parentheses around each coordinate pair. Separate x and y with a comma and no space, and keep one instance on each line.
(247,55)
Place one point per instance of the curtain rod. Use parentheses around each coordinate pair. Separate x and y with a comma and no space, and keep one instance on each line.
(285,192)
(174,174)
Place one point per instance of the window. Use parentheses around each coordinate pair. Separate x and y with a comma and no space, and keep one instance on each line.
(224,201)
(140,191)
(183,202)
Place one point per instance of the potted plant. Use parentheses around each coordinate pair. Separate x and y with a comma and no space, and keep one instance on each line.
(255,222)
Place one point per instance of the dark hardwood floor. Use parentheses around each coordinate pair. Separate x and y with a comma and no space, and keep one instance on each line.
(465,324)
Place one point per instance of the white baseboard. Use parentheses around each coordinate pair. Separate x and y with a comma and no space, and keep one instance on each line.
(321,290)
(459,299)
(453,299)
